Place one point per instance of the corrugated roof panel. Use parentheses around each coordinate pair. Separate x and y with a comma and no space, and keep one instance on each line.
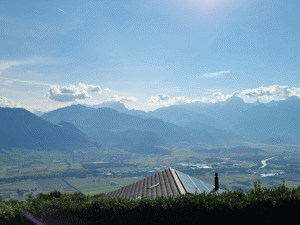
(140,190)
(121,193)
(151,183)
(173,186)
(133,194)
(157,189)
(153,187)
(167,184)
(109,194)
(148,191)
(127,191)
(113,194)
(162,188)
(140,187)
(144,188)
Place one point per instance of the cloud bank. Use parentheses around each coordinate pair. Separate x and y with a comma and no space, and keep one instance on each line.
(166,100)
(5,102)
(270,93)
(71,92)
(221,97)
(122,99)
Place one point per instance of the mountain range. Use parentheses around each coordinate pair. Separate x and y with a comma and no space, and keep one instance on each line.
(111,124)
(22,129)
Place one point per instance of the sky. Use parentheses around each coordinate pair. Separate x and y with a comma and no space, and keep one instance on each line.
(147,53)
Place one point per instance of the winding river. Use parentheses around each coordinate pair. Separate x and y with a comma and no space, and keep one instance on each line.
(264,162)
(268,174)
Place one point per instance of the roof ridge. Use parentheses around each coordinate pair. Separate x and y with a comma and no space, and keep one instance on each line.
(178,182)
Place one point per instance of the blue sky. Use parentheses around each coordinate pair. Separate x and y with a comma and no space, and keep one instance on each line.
(147,54)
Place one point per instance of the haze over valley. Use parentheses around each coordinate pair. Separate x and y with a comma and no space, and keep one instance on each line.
(97,95)
(77,143)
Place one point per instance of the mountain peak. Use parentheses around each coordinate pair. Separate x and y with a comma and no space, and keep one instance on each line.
(77,105)
(257,102)
(110,104)
(235,99)
(292,98)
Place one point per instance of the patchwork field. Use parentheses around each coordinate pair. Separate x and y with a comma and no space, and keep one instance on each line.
(77,171)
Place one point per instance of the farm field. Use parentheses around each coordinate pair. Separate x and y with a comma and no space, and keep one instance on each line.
(70,172)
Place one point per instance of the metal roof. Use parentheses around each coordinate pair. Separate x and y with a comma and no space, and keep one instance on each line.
(168,182)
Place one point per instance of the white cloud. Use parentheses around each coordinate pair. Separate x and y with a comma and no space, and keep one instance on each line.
(222,97)
(131,107)
(122,99)
(166,100)
(158,99)
(207,100)
(272,92)
(216,74)
(90,88)
(71,92)
(5,102)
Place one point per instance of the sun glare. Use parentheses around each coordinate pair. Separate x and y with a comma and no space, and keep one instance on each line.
(205,5)
(204,2)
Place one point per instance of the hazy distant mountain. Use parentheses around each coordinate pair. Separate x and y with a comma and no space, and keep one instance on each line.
(147,137)
(225,114)
(232,120)
(220,114)
(120,107)
(279,140)
(126,139)
(96,122)
(206,129)
(38,113)
(71,127)
(179,114)
(234,114)
(111,104)
(68,114)
(272,121)
(204,134)
(106,125)
(262,121)
(23,129)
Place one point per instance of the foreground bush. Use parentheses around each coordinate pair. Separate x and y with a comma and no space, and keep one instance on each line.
(259,205)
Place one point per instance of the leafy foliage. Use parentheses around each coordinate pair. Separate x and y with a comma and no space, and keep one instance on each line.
(195,207)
